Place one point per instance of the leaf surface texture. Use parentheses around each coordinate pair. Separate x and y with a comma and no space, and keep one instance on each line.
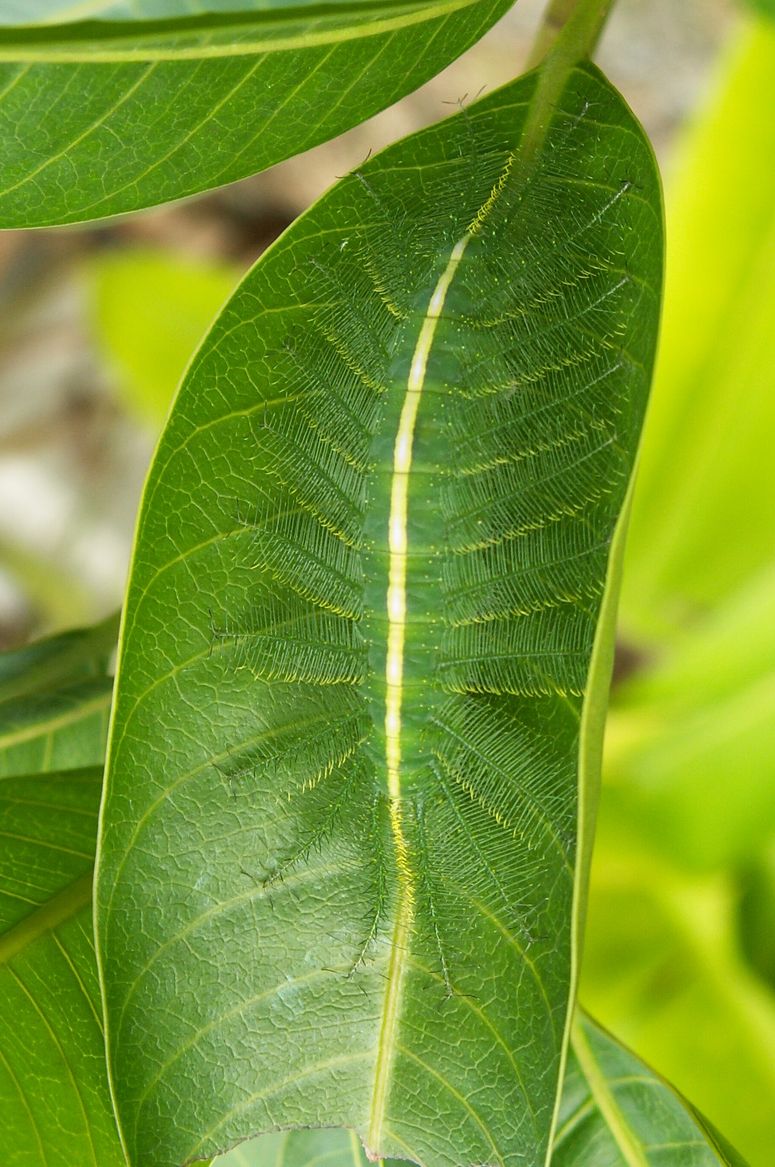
(615,1112)
(336,882)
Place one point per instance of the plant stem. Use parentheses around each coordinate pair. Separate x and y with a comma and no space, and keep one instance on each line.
(571,28)
(568,35)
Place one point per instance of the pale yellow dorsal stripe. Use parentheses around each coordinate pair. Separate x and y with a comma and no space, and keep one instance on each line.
(398,546)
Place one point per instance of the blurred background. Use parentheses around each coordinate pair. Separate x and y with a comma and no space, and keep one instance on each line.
(98,323)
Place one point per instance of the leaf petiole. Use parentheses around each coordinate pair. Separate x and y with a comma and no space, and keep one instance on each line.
(570,28)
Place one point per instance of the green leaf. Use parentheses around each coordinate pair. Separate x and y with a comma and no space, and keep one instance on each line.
(104,117)
(662,968)
(321,1148)
(615,1112)
(56,660)
(702,516)
(148,348)
(336,878)
(55,731)
(55,1109)
(54,1106)
(43,12)
(756,914)
(55,702)
(51,1042)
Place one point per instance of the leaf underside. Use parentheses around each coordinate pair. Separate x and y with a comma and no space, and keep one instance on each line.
(104,117)
(339,837)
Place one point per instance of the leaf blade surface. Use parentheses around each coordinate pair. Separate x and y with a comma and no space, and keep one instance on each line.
(54,1104)
(615,1112)
(411,434)
(168,108)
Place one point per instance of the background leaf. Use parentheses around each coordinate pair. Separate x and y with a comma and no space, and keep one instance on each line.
(691,742)
(262,864)
(662,962)
(55,702)
(37,12)
(56,660)
(323,1148)
(54,1104)
(616,1112)
(165,109)
(765,6)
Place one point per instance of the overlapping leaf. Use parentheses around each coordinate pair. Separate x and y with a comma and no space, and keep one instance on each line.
(337,870)
(110,115)
(54,1105)
(57,661)
(616,1111)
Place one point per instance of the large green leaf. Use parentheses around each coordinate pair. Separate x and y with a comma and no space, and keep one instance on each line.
(107,116)
(54,1105)
(51,1045)
(336,880)
(615,1112)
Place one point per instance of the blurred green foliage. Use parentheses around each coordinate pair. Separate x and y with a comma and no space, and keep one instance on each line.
(680,955)
(766,6)
(150,310)
(701,523)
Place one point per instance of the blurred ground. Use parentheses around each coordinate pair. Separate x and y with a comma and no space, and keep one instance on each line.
(74,451)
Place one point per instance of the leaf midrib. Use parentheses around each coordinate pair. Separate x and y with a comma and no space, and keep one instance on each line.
(517,171)
(396,607)
(603,1098)
(61,907)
